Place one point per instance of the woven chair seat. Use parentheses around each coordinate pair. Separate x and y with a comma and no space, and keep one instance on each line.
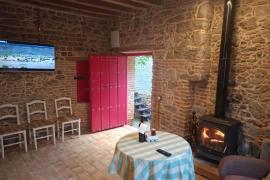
(67,118)
(40,123)
(10,128)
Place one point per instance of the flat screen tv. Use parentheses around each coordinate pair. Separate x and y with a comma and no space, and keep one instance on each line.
(20,56)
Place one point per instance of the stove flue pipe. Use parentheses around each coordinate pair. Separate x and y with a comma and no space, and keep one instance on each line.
(224,59)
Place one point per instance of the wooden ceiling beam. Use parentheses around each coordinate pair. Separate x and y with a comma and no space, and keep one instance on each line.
(55,8)
(128,3)
(72,6)
(150,2)
(103,5)
(63,3)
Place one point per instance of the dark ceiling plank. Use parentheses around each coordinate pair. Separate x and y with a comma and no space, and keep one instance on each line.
(150,2)
(67,4)
(104,5)
(128,3)
(63,9)
(63,5)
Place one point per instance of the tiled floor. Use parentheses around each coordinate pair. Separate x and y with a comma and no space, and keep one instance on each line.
(84,158)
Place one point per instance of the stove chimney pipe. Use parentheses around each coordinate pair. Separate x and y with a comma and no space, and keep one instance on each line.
(224,60)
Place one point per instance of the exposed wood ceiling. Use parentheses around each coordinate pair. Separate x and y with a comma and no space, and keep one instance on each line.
(103,8)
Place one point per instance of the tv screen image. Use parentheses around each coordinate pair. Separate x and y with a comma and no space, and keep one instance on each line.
(26,57)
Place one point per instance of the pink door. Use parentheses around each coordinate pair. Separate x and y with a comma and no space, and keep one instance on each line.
(105,92)
(113,92)
(108,98)
(104,71)
(105,107)
(122,90)
(113,70)
(95,113)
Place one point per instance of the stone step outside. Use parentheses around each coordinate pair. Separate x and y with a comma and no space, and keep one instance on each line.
(138,103)
(137,98)
(142,109)
(145,115)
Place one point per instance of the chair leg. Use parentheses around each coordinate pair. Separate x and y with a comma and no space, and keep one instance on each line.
(35,138)
(63,132)
(20,140)
(25,141)
(53,133)
(72,128)
(30,136)
(2,147)
(58,130)
(48,138)
(79,128)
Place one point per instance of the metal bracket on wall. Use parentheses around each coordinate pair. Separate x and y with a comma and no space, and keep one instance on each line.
(79,78)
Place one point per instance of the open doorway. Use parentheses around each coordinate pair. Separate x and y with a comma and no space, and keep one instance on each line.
(140,89)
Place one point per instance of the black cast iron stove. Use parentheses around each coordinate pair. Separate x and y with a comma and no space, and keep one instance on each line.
(217,137)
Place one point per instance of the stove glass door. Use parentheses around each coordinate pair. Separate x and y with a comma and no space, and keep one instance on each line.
(212,138)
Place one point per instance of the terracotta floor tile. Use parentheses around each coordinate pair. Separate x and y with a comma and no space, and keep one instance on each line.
(86,157)
(81,158)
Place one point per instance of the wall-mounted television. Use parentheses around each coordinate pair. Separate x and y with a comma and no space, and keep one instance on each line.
(21,56)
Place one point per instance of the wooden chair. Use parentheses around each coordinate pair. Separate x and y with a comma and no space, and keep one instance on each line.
(38,127)
(66,120)
(11,132)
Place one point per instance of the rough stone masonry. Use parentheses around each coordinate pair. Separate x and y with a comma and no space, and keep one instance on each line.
(185,39)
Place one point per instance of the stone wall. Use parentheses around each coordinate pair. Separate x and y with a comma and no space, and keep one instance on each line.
(249,92)
(185,40)
(74,37)
(179,36)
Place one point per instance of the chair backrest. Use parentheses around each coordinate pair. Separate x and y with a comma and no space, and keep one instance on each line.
(36,103)
(59,106)
(8,114)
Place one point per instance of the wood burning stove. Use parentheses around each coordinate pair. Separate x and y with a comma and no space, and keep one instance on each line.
(217,137)
(216,134)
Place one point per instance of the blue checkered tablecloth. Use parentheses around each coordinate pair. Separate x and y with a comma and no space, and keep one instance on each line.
(140,161)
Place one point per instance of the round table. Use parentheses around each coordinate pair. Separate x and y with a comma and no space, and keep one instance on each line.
(135,160)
